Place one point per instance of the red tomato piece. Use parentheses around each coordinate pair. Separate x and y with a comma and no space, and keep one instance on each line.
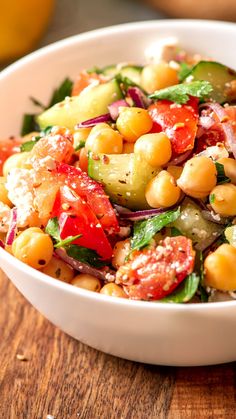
(84,80)
(152,274)
(8,147)
(92,192)
(76,217)
(179,122)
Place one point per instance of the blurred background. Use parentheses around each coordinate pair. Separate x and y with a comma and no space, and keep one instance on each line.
(26,25)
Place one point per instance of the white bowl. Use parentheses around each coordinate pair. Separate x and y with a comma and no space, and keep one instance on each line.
(193,334)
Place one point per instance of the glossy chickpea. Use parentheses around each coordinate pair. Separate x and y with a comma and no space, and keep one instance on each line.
(158,76)
(198,177)
(113,290)
(120,252)
(128,148)
(58,269)
(33,247)
(104,140)
(229,168)
(133,122)
(87,282)
(162,191)
(4,192)
(154,148)
(175,171)
(16,161)
(223,199)
(220,268)
(80,136)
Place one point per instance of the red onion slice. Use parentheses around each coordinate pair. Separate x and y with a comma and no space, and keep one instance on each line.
(94,121)
(12,227)
(226,126)
(114,108)
(107,276)
(139,98)
(206,122)
(141,215)
(181,158)
(2,244)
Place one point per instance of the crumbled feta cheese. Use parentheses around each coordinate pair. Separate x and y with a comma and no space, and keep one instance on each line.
(162,50)
(21,193)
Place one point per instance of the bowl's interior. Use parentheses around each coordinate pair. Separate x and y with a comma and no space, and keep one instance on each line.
(37,74)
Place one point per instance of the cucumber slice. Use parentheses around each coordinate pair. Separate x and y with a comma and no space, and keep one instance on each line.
(192,224)
(90,103)
(132,72)
(124,176)
(218,75)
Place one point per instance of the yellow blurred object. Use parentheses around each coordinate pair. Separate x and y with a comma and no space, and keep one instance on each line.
(22,23)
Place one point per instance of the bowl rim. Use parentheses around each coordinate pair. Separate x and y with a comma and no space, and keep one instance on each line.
(70,41)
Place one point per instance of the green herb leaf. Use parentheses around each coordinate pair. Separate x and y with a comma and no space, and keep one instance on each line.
(80,145)
(36,102)
(29,124)
(212,198)
(28,145)
(61,92)
(185,291)
(180,92)
(184,71)
(174,232)
(53,230)
(84,255)
(145,230)
(221,177)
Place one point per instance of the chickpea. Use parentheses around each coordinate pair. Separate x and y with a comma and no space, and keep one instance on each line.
(80,136)
(87,282)
(4,192)
(16,161)
(58,269)
(128,148)
(113,290)
(198,177)
(229,168)
(158,76)
(33,247)
(162,191)
(154,148)
(133,122)
(220,268)
(175,171)
(223,199)
(104,140)
(120,252)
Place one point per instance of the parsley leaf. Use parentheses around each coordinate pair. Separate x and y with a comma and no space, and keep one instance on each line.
(80,145)
(174,232)
(184,71)
(29,124)
(28,145)
(146,229)
(53,230)
(61,92)
(221,177)
(212,198)
(185,291)
(180,92)
(85,255)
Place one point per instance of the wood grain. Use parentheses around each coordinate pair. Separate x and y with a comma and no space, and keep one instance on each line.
(67,379)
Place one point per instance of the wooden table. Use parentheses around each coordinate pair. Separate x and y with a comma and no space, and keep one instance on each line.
(44,372)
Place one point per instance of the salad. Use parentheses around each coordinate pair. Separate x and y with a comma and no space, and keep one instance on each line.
(125,182)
